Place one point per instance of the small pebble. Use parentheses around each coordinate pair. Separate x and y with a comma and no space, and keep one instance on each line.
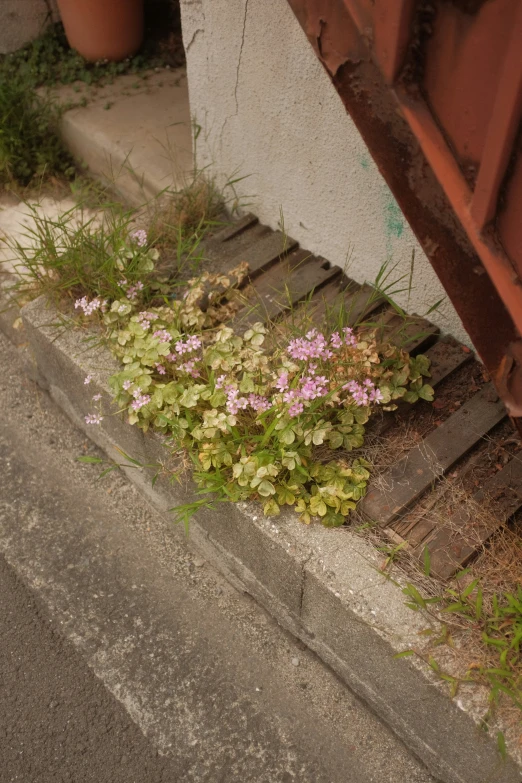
(295,661)
(199,562)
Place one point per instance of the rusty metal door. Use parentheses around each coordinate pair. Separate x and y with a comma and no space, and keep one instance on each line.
(435,89)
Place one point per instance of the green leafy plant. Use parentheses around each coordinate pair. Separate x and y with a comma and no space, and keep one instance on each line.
(101,253)
(281,426)
(30,146)
(496,622)
(49,60)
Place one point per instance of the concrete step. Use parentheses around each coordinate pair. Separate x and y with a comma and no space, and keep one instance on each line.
(135,134)
(210,678)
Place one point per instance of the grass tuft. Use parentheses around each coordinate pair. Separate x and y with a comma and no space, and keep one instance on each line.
(30,146)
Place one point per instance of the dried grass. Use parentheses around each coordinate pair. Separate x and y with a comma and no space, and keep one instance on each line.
(194,208)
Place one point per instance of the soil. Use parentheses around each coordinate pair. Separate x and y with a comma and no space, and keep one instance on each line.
(163,37)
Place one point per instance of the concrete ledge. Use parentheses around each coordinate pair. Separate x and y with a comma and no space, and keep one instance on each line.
(134,135)
(323,585)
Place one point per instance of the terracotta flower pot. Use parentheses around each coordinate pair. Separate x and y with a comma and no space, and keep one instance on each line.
(103,29)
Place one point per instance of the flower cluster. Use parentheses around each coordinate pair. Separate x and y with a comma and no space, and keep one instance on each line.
(315,345)
(274,423)
(90,307)
(131,291)
(191,344)
(144,319)
(140,400)
(93,418)
(162,335)
(259,403)
(140,237)
(189,368)
(364,393)
(235,403)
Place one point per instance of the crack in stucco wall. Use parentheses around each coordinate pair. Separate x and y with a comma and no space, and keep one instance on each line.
(240,56)
(194,36)
(238,68)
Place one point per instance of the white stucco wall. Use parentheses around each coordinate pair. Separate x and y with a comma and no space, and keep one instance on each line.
(269,112)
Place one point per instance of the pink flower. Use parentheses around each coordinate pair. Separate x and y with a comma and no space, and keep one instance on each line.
(290,395)
(189,368)
(234,402)
(296,409)
(93,418)
(220,381)
(313,346)
(132,290)
(192,343)
(349,337)
(336,340)
(313,387)
(363,393)
(140,237)
(258,403)
(97,397)
(282,382)
(88,379)
(140,400)
(161,369)
(126,385)
(144,318)
(88,307)
(163,336)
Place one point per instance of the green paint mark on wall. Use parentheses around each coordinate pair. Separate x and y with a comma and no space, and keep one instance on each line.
(394,218)
(364,161)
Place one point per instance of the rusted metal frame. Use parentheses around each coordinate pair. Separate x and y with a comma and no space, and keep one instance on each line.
(364,92)
(445,168)
(392,26)
(502,131)
(360,16)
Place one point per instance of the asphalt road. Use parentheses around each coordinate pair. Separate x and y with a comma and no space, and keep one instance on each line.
(58,723)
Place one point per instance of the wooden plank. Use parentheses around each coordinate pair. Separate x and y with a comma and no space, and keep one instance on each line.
(240,243)
(343,299)
(469,527)
(414,473)
(411,332)
(446,357)
(421,531)
(261,255)
(361,303)
(235,228)
(283,286)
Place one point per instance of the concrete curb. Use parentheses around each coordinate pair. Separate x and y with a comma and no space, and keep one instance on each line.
(320,584)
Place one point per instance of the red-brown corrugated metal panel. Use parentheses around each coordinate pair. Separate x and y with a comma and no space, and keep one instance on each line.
(436,90)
